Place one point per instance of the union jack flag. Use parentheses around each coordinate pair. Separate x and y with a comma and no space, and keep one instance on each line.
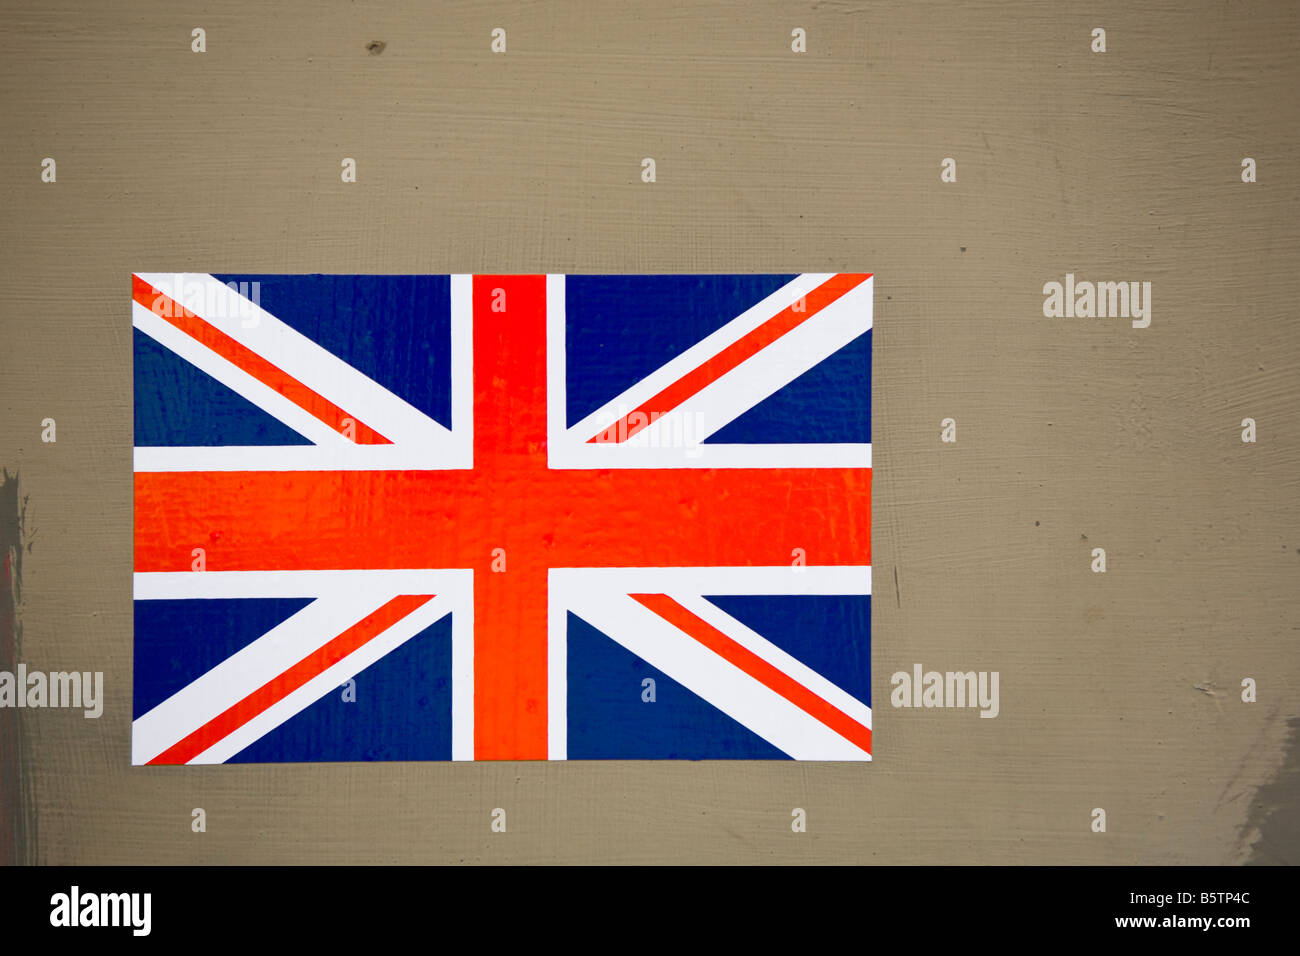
(502,517)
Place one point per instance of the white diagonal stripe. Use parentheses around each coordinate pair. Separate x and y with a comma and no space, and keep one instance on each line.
(244,672)
(422,442)
(694,356)
(676,439)
(744,698)
(771,368)
(763,648)
(350,596)
(234,378)
(601,597)
(328,680)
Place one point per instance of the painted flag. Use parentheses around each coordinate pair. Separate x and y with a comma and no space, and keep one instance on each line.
(502,517)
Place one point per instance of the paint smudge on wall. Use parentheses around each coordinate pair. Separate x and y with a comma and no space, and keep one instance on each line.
(17,820)
(1275,811)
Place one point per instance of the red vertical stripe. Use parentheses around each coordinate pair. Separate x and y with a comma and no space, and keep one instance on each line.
(518,503)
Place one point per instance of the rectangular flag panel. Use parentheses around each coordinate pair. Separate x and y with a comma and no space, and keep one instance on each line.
(502,517)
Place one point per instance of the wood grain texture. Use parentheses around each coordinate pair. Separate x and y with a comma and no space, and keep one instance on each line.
(1073,434)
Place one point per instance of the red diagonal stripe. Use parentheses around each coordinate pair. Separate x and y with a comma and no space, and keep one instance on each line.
(314,404)
(695,626)
(278,688)
(742,349)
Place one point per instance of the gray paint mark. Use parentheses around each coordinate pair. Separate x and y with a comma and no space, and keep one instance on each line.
(1275,811)
(17,810)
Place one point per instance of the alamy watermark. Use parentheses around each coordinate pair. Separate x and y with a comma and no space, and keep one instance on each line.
(1101,300)
(75,908)
(946,689)
(625,426)
(74,689)
(206,300)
